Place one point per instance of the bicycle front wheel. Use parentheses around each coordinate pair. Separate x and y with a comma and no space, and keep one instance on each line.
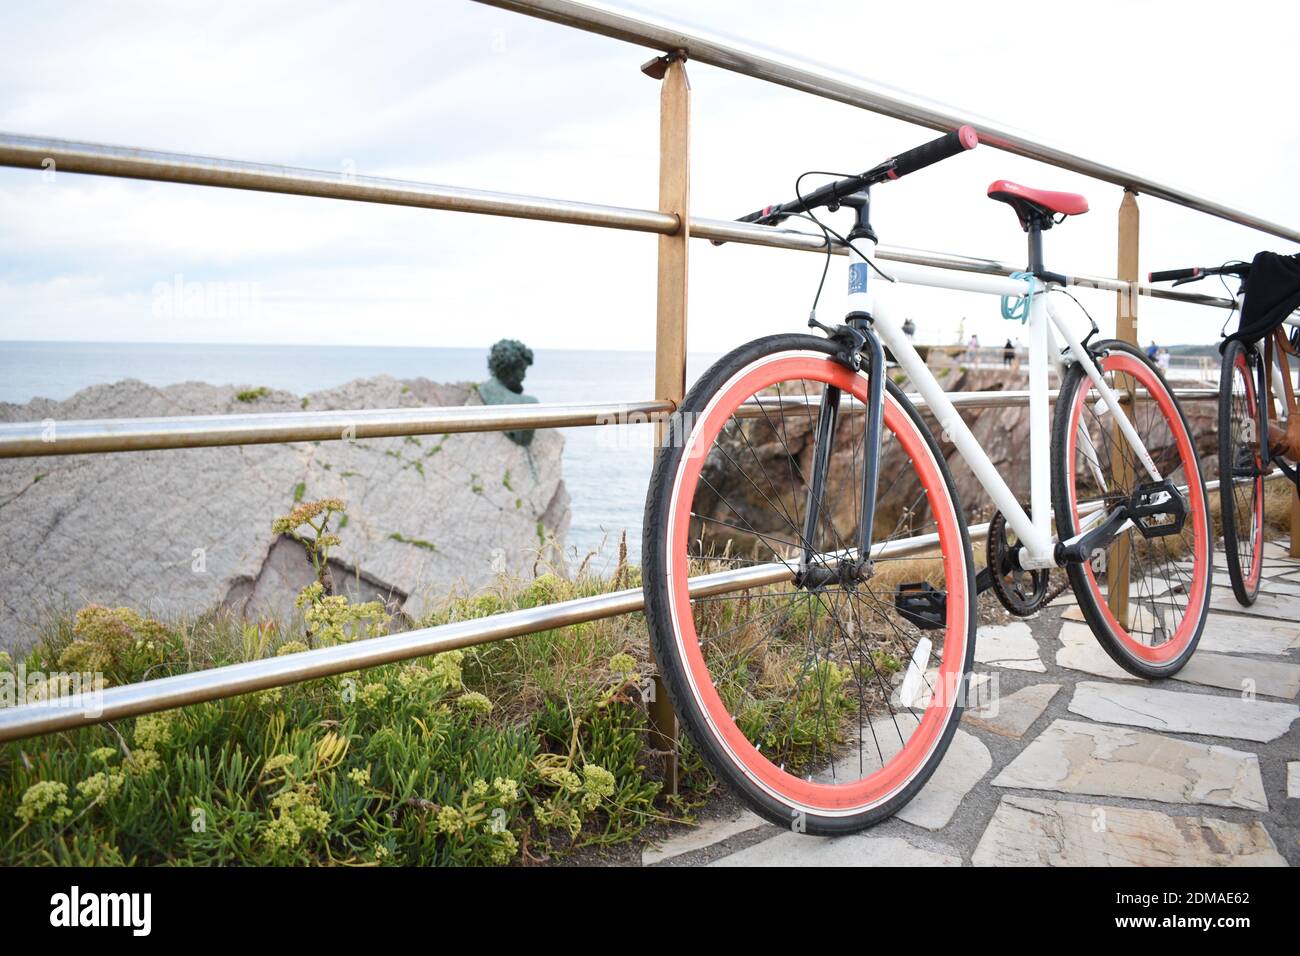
(1093,469)
(1241,473)
(825,707)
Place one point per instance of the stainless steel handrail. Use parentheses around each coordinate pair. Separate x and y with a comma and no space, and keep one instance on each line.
(33,152)
(53,438)
(662,34)
(91,707)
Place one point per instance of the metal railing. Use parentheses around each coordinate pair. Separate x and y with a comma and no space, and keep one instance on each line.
(672,223)
(729,54)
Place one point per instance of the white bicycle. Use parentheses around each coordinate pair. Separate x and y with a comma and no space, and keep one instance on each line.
(809,576)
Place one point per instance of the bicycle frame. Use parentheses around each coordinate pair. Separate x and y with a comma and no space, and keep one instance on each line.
(1043,326)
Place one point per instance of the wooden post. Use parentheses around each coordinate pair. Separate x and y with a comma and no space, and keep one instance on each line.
(670,319)
(1295,524)
(1117,563)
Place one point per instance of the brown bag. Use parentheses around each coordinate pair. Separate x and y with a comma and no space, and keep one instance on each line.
(1284,437)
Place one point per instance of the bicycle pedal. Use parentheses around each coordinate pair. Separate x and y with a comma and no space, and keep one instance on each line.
(922,604)
(1157,499)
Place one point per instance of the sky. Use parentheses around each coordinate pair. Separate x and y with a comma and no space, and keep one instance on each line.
(457,93)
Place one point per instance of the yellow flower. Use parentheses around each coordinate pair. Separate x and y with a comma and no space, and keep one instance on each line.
(291,647)
(450,820)
(360,776)
(144,761)
(507,789)
(372,694)
(596,779)
(282,833)
(475,703)
(103,754)
(152,731)
(446,670)
(103,785)
(505,851)
(47,798)
(623,664)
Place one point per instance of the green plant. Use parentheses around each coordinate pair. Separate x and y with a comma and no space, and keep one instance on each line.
(253,394)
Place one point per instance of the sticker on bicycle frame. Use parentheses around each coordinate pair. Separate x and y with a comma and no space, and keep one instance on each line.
(915,673)
(857,277)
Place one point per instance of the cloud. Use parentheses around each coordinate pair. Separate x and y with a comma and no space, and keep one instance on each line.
(469,95)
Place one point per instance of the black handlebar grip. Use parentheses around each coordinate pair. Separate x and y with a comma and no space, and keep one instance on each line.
(757,216)
(1172,275)
(928,154)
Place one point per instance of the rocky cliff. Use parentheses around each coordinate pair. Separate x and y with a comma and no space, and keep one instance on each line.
(181,532)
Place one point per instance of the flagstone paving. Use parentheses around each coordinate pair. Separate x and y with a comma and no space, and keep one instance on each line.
(1065,759)
(1266,605)
(1009,645)
(797,849)
(1229,634)
(706,834)
(1081,652)
(1270,678)
(1012,715)
(1026,831)
(1071,756)
(1211,715)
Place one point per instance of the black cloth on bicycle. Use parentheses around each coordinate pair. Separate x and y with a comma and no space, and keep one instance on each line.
(1272,293)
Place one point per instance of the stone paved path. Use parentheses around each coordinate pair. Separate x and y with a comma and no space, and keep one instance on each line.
(1081,764)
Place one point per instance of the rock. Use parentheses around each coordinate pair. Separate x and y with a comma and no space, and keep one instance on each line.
(1012,715)
(1226,633)
(964,765)
(1206,714)
(1081,652)
(1279,606)
(1008,645)
(1267,585)
(1075,757)
(179,532)
(707,833)
(1026,831)
(1242,674)
(796,849)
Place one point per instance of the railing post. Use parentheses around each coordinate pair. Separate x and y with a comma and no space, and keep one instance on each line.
(1117,567)
(670,320)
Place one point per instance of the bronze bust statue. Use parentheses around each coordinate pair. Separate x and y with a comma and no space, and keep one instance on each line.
(508,362)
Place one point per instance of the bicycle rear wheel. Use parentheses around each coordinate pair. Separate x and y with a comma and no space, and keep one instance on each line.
(1093,468)
(825,708)
(1241,472)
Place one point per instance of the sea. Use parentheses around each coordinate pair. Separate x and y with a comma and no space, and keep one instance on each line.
(606,469)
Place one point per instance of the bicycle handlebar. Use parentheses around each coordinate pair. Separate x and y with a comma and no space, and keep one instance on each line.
(1180,276)
(1169,275)
(927,154)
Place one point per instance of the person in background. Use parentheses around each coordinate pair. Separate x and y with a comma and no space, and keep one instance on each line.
(1008,353)
(1162,359)
(1152,349)
(972,349)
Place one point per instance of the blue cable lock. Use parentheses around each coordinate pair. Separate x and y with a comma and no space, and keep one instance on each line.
(1016,307)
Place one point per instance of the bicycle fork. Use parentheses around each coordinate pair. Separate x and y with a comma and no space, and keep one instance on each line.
(848,566)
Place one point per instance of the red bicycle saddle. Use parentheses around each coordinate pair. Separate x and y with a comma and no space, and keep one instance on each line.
(1043,203)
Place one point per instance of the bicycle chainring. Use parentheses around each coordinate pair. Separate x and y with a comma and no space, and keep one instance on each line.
(1021,592)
